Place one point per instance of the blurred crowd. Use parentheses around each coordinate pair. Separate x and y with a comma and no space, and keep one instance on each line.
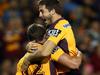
(17,15)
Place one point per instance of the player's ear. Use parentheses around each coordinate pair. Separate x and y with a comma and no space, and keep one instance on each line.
(52,11)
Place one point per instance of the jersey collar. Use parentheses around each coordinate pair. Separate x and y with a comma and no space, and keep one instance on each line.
(53,24)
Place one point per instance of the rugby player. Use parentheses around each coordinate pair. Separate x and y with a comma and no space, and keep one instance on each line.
(36,33)
(60,31)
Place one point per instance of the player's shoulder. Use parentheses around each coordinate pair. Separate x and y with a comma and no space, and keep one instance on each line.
(63,21)
(62,24)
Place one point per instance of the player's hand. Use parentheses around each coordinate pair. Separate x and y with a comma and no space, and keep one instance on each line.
(79,57)
(32,47)
(29,46)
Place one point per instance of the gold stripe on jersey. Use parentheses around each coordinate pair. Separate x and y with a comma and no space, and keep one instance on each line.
(57,54)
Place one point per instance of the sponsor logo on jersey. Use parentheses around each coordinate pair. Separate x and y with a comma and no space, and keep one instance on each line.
(66,25)
(54,32)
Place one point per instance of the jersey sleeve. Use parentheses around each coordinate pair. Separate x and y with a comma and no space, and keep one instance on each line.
(56,55)
(62,31)
(71,42)
(59,31)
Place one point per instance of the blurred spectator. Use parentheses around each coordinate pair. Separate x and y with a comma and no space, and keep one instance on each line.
(4,5)
(94,32)
(14,65)
(89,13)
(12,12)
(87,69)
(85,46)
(13,38)
(95,59)
(6,67)
(1,24)
(1,39)
(88,2)
(23,4)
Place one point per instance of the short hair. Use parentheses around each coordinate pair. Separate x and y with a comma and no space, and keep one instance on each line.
(36,32)
(52,4)
(35,8)
(39,21)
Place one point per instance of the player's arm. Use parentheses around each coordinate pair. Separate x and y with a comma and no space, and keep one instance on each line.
(41,51)
(56,34)
(71,62)
(23,63)
(46,49)
(63,58)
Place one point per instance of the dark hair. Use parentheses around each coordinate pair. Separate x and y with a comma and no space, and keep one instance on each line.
(35,7)
(36,32)
(39,21)
(52,4)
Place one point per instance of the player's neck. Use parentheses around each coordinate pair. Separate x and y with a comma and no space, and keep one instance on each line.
(55,17)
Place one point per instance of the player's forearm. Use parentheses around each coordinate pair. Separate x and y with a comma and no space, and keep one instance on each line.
(70,62)
(44,50)
(34,51)
(47,48)
(78,59)
(21,66)
(41,51)
(34,57)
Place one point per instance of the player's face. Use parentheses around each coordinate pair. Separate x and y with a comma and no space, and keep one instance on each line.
(45,14)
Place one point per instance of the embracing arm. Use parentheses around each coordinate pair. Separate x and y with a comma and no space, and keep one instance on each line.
(66,60)
(71,62)
(47,48)
(41,51)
